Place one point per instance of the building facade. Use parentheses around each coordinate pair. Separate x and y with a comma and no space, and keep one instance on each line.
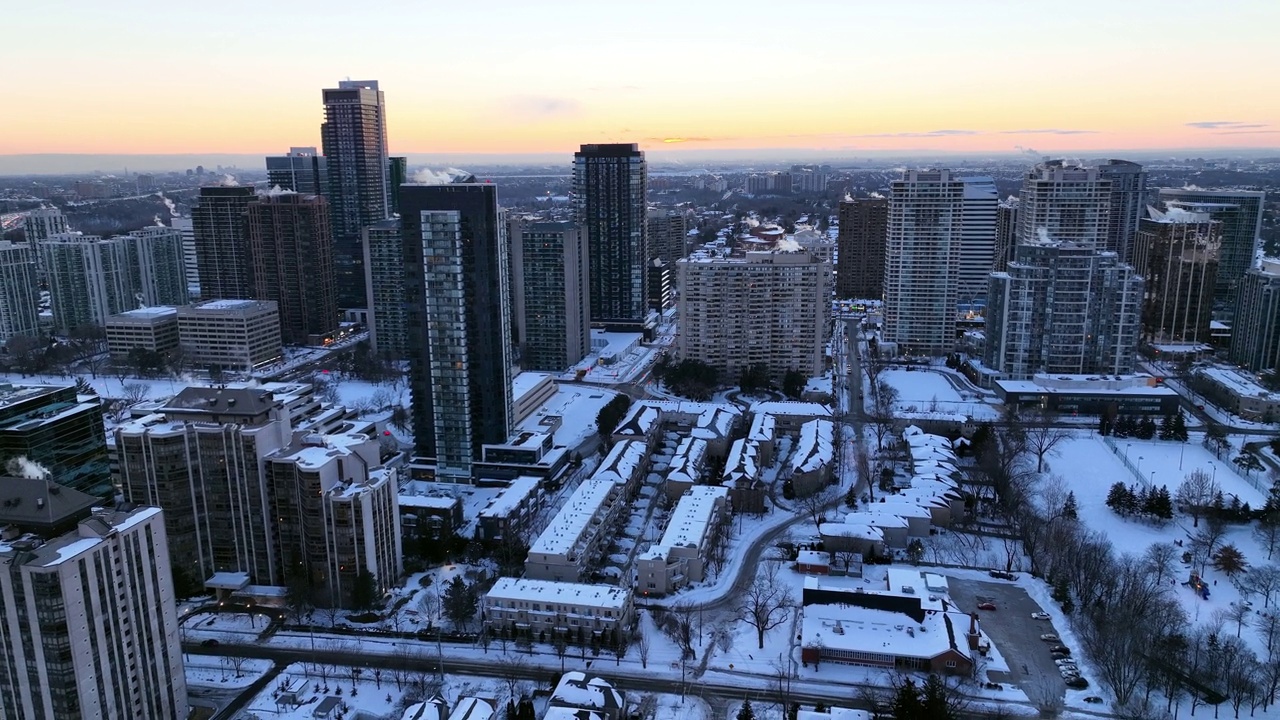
(680,557)
(43,223)
(536,607)
(158,263)
(301,170)
(185,226)
(555,325)
(58,430)
(354,137)
(154,329)
(384,282)
(238,335)
(222,245)
(458,319)
(863,230)
(1128,203)
(978,213)
(1255,334)
(1177,253)
(90,279)
(610,187)
(1240,212)
(291,247)
(668,233)
(767,307)
(1006,233)
(1065,203)
(19,292)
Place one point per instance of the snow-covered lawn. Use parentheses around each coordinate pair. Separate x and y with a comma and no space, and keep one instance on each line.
(221,672)
(204,626)
(929,391)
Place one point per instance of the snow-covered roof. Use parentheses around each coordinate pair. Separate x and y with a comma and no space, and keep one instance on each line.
(576,690)
(851,529)
(762,428)
(791,408)
(433,709)
(687,464)
(812,557)
(640,420)
(876,519)
(814,448)
(718,421)
(834,713)
(858,629)
(1238,382)
(473,708)
(524,382)
(1138,384)
(742,462)
(604,597)
(928,439)
(573,521)
(511,497)
(693,513)
(622,462)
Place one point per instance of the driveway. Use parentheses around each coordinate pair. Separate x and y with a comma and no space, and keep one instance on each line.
(1015,635)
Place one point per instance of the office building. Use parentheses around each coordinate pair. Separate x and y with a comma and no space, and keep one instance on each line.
(458,320)
(302,170)
(291,247)
(90,625)
(384,281)
(90,279)
(1177,253)
(190,261)
(1063,309)
(555,323)
(1240,212)
(222,245)
(668,232)
(150,329)
(1255,333)
(19,292)
(354,136)
(59,432)
(860,240)
(397,175)
(770,308)
(923,260)
(1006,233)
(230,335)
(977,238)
(610,184)
(1065,203)
(1128,205)
(158,266)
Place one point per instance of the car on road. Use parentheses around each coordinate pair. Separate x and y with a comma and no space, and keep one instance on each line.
(1093,699)
(1060,649)
(986,606)
(1065,662)
(1002,575)
(210,643)
(1050,637)
(1040,616)
(992,686)
(1077,683)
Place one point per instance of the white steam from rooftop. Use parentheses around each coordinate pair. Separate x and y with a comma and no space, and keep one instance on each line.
(228,181)
(427,176)
(788,245)
(24,467)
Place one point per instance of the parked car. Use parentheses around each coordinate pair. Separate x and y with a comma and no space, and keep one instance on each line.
(1065,662)
(1002,575)
(1093,699)
(1049,637)
(1077,683)
(987,606)
(210,643)
(992,686)
(1039,616)
(1059,656)
(1060,649)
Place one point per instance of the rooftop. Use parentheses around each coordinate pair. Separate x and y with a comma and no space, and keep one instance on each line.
(814,448)
(846,627)
(147,313)
(791,408)
(622,461)
(689,520)
(574,519)
(596,596)
(576,690)
(511,497)
(524,382)
(31,501)
(686,465)
(222,401)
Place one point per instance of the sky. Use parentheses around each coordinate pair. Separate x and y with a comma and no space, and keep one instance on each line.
(502,76)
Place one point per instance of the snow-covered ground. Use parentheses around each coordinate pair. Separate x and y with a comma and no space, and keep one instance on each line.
(627,359)
(219,626)
(928,391)
(223,672)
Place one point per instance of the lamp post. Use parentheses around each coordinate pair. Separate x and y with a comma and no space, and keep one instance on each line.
(1138,467)
(1126,451)
(1181,451)
(1153,478)
(1214,465)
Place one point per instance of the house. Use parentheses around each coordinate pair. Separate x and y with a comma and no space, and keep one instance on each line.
(762,432)
(742,477)
(852,536)
(813,562)
(434,709)
(789,415)
(811,462)
(643,423)
(577,691)
(686,467)
(328,708)
(692,533)
(474,708)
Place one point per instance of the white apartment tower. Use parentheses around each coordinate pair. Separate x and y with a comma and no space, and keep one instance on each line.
(43,223)
(185,226)
(158,262)
(90,279)
(769,307)
(1065,203)
(19,294)
(977,237)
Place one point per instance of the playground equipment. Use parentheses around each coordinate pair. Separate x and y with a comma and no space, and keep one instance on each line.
(1198,586)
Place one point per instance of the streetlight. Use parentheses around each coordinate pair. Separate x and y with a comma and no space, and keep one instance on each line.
(1138,468)
(1153,478)
(1214,465)
(1126,451)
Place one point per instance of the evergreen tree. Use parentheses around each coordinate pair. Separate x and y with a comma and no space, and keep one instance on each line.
(934,699)
(365,591)
(1106,422)
(851,497)
(1178,431)
(906,703)
(1164,503)
(1146,502)
(1219,507)
(1166,428)
(1069,509)
(1116,497)
(460,601)
(1146,428)
(745,712)
(1134,499)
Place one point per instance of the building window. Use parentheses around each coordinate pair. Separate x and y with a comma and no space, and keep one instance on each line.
(951,664)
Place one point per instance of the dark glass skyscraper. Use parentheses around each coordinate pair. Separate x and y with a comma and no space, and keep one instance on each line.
(302,170)
(222,247)
(458,320)
(1240,212)
(610,187)
(354,136)
(291,248)
(1128,201)
(397,175)
(863,231)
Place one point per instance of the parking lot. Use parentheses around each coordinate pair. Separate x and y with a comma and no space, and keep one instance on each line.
(1015,635)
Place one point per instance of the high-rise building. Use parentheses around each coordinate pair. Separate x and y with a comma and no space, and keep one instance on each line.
(660,285)
(770,308)
(1240,212)
(354,136)
(668,232)
(924,250)
(610,184)
(1065,203)
(1128,201)
(158,264)
(555,325)
(1006,233)
(384,282)
(256,490)
(1177,253)
(302,170)
(57,430)
(90,279)
(863,231)
(19,292)
(90,627)
(977,238)
(397,175)
(43,223)
(1063,308)
(222,245)
(1255,334)
(184,225)
(458,320)
(291,248)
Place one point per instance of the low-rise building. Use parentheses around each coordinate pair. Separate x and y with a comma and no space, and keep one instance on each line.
(789,415)
(625,466)
(1089,394)
(643,422)
(428,515)
(686,468)
(742,477)
(578,535)
(154,329)
(762,432)
(236,335)
(595,695)
(695,527)
(1238,392)
(510,515)
(529,391)
(526,453)
(811,462)
(524,605)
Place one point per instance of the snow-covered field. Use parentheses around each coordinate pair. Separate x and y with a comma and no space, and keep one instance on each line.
(223,672)
(216,626)
(928,391)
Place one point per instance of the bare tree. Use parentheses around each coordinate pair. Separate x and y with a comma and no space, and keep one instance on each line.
(1206,540)
(1042,436)
(816,505)
(884,398)
(1263,581)
(134,393)
(1160,559)
(677,624)
(1267,534)
(512,669)
(1238,612)
(1196,494)
(766,603)
(642,649)
(782,672)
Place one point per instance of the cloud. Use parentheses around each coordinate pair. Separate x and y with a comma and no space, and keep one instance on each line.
(674,140)
(540,107)
(1048,131)
(1223,125)
(930,134)
(1248,132)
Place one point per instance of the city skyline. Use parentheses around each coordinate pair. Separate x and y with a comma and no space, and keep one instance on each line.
(924,78)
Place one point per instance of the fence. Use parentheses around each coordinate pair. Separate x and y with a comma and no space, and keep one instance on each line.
(1124,460)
